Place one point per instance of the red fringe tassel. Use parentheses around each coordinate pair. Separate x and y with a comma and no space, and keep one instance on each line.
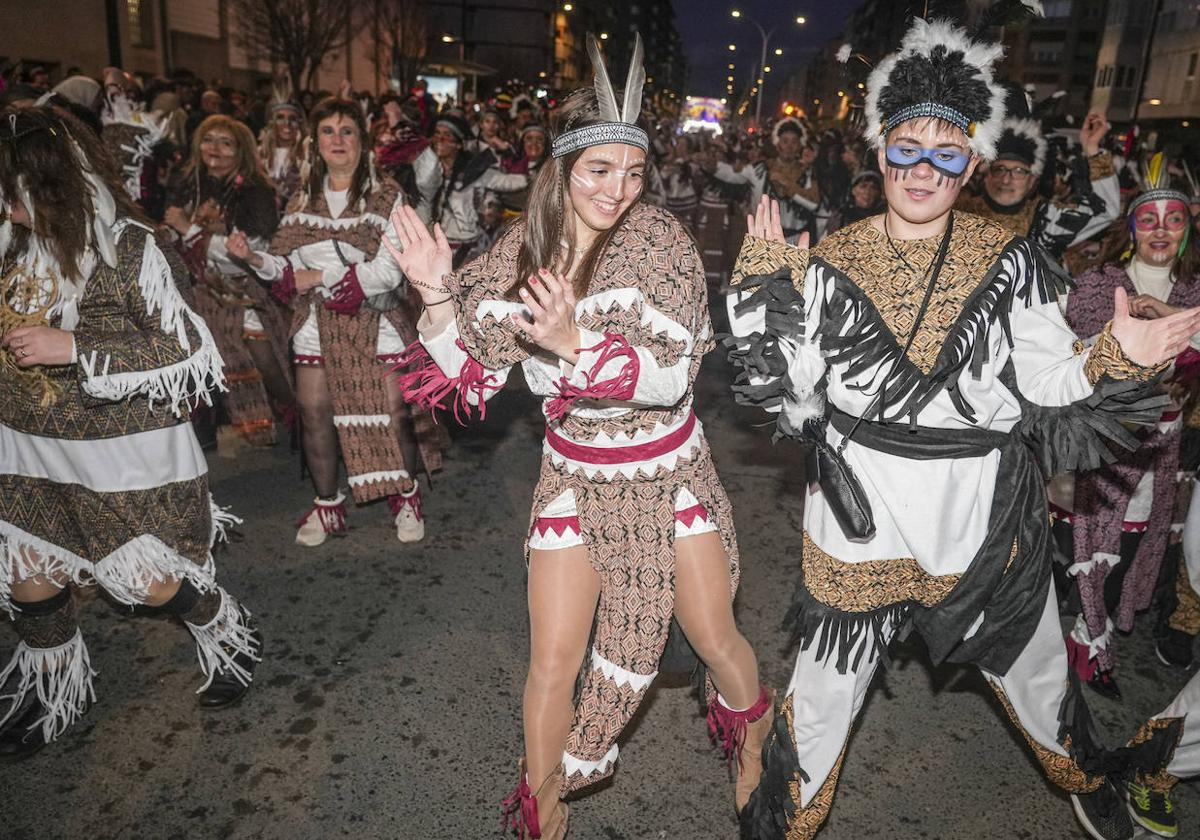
(425,384)
(348,295)
(728,728)
(620,387)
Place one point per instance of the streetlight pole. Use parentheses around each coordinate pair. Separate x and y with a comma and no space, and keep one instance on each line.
(760,78)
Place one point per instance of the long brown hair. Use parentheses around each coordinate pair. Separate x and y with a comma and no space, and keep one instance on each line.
(36,147)
(360,182)
(249,167)
(547,211)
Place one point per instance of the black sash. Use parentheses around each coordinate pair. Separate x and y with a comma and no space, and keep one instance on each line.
(1011,596)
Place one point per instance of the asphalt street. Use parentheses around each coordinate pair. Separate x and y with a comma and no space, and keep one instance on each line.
(388,704)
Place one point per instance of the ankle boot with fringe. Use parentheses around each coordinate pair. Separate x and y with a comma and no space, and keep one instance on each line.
(520,809)
(740,736)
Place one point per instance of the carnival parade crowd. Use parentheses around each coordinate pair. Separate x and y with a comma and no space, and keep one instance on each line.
(955,289)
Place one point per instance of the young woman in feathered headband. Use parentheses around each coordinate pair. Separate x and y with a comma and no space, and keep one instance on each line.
(601,299)
(922,355)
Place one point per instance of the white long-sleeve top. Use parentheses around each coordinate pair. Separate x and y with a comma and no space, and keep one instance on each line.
(933,511)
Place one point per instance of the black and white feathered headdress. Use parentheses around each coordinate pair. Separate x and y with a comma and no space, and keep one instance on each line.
(1023,140)
(938,72)
(619,118)
(793,125)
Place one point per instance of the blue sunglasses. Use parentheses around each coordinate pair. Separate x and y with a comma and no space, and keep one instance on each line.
(946,161)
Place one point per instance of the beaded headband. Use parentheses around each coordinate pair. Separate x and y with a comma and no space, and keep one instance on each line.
(1158,195)
(928,109)
(598,135)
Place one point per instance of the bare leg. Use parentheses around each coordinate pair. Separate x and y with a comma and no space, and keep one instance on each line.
(320,437)
(403,427)
(705,611)
(563,591)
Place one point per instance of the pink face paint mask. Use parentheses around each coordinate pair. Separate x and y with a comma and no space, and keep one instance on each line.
(1167,214)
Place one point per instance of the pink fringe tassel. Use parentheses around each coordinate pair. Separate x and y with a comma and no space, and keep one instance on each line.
(348,295)
(284,289)
(728,728)
(333,517)
(620,387)
(397,502)
(425,384)
(520,812)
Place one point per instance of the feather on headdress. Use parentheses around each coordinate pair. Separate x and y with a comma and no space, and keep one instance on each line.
(619,117)
(1023,140)
(1156,183)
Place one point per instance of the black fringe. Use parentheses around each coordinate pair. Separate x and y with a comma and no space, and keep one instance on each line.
(853,332)
(842,634)
(1082,435)
(1087,750)
(760,354)
(771,808)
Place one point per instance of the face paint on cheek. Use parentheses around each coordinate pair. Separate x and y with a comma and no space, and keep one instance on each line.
(584,182)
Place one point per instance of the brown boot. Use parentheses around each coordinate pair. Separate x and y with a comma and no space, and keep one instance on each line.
(520,809)
(741,735)
(750,765)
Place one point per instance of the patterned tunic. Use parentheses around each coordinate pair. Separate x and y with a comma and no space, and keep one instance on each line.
(109,482)
(625,469)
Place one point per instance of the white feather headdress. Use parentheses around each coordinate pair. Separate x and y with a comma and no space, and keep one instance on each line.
(619,118)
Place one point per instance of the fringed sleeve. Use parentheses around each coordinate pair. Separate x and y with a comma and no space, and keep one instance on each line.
(772,346)
(1077,402)
(467,362)
(169,356)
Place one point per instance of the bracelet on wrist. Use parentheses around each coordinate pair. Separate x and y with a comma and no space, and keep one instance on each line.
(446,299)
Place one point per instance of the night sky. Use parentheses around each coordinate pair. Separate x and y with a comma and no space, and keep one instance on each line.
(707,30)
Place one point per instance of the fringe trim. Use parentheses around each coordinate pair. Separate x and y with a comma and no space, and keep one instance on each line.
(347,296)
(620,387)
(839,633)
(224,638)
(222,522)
(765,356)
(284,289)
(727,727)
(854,333)
(24,556)
(399,501)
(332,515)
(182,385)
(62,678)
(127,573)
(425,385)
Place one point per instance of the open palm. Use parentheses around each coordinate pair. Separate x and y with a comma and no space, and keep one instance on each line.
(1152,342)
(425,259)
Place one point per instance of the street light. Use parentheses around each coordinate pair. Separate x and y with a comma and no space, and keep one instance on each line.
(447,39)
(567,7)
(733,47)
(766,38)
(779,51)
(603,36)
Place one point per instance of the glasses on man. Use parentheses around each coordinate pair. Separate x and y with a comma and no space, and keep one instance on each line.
(1001,172)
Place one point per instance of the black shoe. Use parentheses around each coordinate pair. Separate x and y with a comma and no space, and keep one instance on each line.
(17,740)
(1174,648)
(1103,814)
(1102,683)
(1152,810)
(226,689)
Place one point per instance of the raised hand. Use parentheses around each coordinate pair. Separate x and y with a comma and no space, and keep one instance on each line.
(765,223)
(1152,342)
(423,258)
(551,302)
(1092,132)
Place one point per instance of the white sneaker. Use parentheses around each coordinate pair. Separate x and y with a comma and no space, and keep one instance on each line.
(409,517)
(326,517)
